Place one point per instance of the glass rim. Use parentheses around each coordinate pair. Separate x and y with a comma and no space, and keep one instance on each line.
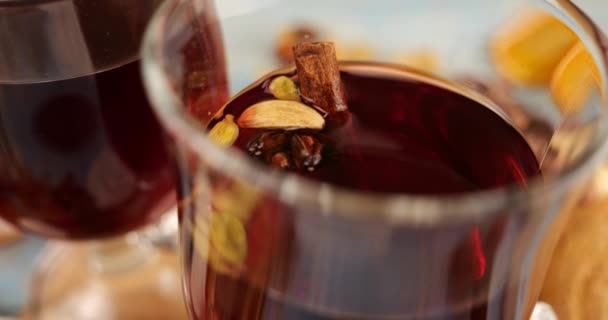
(398,208)
(26,3)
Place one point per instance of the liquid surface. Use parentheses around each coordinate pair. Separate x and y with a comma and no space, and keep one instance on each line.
(408,135)
(82,157)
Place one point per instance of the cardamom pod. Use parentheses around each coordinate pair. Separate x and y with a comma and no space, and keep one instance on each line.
(225,132)
(228,238)
(283,88)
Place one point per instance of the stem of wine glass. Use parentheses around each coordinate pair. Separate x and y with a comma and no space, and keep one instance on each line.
(127,252)
(120,254)
(164,234)
(121,278)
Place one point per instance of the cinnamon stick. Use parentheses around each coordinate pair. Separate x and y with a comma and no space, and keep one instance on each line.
(319,80)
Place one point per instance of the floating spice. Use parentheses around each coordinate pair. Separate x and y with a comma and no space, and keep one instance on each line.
(283,88)
(225,132)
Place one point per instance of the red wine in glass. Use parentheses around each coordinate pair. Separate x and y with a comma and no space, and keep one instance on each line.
(82,157)
(409,134)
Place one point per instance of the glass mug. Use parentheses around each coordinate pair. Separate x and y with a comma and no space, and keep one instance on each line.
(264,244)
(82,154)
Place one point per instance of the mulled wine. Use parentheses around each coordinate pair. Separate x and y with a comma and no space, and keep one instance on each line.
(82,157)
(370,128)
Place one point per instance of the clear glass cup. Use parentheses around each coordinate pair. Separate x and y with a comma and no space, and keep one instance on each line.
(299,249)
(81,152)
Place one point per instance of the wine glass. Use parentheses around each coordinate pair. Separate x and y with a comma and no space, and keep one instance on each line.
(81,153)
(262,243)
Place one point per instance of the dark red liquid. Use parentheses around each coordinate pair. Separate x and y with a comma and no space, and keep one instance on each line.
(411,137)
(82,157)
(407,136)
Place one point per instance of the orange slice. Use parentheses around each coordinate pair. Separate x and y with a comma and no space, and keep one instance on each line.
(527,50)
(574,80)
